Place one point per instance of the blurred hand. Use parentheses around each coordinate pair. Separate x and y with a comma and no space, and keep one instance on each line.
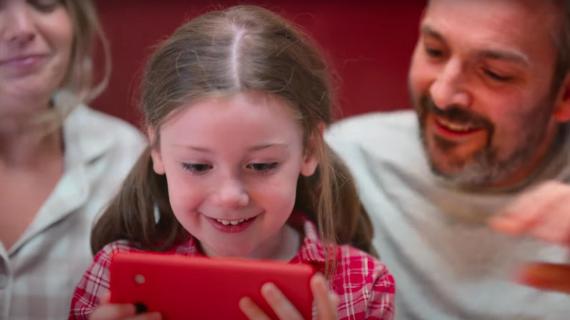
(546,276)
(325,300)
(543,213)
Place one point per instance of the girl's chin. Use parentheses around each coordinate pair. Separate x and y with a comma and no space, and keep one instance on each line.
(222,251)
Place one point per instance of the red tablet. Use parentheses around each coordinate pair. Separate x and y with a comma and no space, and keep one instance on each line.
(183,287)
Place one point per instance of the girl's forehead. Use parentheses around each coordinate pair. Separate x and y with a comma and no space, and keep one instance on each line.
(234,116)
(244,105)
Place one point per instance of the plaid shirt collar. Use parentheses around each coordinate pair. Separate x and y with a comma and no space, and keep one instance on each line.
(312,250)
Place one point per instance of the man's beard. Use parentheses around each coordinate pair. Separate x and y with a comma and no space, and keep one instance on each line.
(485,167)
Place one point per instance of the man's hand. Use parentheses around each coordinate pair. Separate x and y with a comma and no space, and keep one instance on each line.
(543,213)
(546,276)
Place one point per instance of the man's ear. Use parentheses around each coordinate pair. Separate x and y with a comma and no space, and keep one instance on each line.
(562,108)
(157,164)
(311,157)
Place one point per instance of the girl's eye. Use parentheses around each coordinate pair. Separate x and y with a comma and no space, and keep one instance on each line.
(197,168)
(262,166)
(45,5)
(497,77)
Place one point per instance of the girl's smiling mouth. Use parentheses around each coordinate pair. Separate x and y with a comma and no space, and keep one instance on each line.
(231,225)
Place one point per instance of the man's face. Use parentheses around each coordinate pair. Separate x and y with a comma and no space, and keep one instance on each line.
(481,82)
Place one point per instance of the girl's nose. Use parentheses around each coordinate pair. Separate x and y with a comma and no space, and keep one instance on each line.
(232,194)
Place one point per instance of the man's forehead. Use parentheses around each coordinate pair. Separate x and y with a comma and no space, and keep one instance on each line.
(491,51)
(512,11)
(500,28)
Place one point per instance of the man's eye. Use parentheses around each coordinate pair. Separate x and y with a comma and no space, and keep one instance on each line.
(497,77)
(198,168)
(262,166)
(433,52)
(45,5)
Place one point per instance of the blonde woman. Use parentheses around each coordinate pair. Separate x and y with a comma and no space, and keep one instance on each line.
(60,161)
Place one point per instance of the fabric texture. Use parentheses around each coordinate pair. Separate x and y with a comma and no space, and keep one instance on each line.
(364,285)
(447,262)
(39,272)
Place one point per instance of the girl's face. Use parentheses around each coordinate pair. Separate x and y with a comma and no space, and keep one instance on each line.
(35,47)
(232,165)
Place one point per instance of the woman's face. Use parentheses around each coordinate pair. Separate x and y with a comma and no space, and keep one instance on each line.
(36,38)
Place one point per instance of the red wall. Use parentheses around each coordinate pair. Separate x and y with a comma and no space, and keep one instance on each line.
(368,43)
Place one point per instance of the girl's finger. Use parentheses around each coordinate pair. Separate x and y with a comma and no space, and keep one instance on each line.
(279,303)
(251,310)
(325,300)
(121,311)
(113,312)
(146,316)
(106,298)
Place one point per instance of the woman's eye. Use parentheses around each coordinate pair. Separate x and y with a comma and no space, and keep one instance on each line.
(262,166)
(198,168)
(496,76)
(45,5)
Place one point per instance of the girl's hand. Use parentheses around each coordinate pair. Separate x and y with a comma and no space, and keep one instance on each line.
(326,302)
(109,311)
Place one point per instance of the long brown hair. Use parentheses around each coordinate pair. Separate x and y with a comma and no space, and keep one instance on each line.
(221,53)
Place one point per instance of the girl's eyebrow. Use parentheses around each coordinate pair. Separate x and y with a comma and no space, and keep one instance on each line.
(268,145)
(193,148)
(253,148)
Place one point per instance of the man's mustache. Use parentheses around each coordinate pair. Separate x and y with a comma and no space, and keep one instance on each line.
(454,113)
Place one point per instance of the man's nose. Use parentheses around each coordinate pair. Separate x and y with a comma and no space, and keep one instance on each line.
(450,86)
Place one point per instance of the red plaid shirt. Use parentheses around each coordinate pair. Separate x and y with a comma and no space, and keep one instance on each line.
(364,285)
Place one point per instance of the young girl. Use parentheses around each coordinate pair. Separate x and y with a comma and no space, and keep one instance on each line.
(235,104)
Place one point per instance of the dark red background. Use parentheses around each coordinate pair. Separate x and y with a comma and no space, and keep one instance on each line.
(368,43)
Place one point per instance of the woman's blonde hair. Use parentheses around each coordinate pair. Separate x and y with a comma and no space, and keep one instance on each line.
(222,52)
(78,85)
(88,33)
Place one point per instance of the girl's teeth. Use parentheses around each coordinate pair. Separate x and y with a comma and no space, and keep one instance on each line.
(228,222)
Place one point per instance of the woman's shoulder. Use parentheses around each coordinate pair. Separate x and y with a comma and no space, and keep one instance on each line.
(96,135)
(102,123)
